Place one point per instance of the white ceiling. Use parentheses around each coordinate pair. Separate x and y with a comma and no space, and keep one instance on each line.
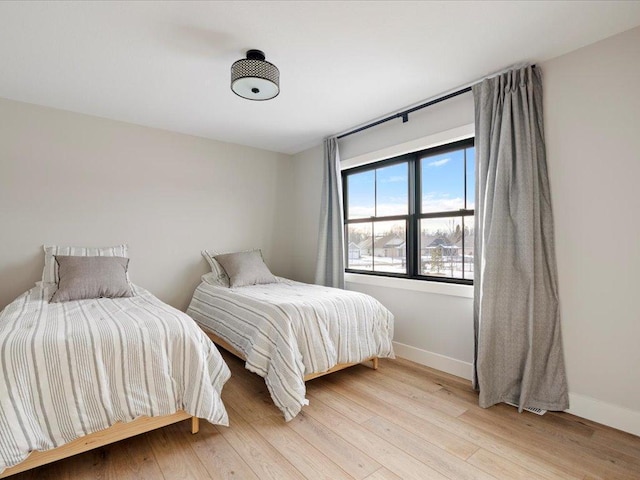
(166,64)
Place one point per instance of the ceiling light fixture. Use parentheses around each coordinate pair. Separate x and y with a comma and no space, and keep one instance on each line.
(254,78)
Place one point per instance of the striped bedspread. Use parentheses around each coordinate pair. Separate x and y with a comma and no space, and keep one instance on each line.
(288,329)
(70,369)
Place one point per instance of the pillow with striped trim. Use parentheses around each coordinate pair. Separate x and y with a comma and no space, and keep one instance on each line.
(219,276)
(50,271)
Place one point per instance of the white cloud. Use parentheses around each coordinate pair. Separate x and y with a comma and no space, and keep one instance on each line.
(441,202)
(380,228)
(361,212)
(385,209)
(395,179)
(430,203)
(438,163)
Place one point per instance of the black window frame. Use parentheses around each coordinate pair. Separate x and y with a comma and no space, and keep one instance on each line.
(414,214)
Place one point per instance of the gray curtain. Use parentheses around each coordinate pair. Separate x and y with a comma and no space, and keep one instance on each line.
(330,267)
(518,357)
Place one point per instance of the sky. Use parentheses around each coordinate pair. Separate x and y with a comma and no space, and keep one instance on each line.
(442,179)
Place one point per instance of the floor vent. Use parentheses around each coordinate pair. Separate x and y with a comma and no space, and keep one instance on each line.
(537,411)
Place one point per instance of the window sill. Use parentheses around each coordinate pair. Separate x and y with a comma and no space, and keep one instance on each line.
(439,288)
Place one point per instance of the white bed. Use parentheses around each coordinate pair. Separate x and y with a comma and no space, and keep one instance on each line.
(72,371)
(288,331)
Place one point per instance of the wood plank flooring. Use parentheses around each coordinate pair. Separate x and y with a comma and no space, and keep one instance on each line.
(403,421)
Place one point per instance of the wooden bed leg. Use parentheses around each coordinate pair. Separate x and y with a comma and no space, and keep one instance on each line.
(195,425)
(374,362)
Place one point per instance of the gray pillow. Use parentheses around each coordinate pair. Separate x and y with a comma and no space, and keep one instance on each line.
(245,268)
(91,277)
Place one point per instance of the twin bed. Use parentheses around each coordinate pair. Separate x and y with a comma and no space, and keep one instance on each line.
(290,332)
(78,374)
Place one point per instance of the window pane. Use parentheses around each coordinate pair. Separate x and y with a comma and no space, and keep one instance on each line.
(362,195)
(467,271)
(392,190)
(442,182)
(471,178)
(359,247)
(441,247)
(390,247)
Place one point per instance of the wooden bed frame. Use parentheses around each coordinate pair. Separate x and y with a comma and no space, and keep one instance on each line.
(115,433)
(340,366)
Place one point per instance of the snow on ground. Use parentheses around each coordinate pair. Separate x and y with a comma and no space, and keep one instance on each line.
(448,268)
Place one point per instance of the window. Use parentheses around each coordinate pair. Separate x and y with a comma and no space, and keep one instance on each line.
(412,216)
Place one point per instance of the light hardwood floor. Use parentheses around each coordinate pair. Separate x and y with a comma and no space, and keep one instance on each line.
(403,421)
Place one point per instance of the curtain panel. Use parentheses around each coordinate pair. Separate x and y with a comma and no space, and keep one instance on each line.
(518,345)
(330,266)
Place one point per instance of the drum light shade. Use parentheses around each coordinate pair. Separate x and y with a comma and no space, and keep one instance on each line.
(254,78)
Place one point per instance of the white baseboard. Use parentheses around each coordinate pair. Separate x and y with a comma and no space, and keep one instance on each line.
(434,360)
(609,414)
(583,406)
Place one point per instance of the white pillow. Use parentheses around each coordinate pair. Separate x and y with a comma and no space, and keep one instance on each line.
(50,271)
(211,279)
(219,276)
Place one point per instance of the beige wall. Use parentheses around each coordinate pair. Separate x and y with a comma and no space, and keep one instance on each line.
(307,172)
(592,125)
(73,179)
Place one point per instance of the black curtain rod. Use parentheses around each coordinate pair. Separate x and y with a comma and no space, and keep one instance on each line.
(405,114)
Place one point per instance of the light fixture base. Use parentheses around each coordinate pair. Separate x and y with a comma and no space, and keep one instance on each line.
(255,55)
